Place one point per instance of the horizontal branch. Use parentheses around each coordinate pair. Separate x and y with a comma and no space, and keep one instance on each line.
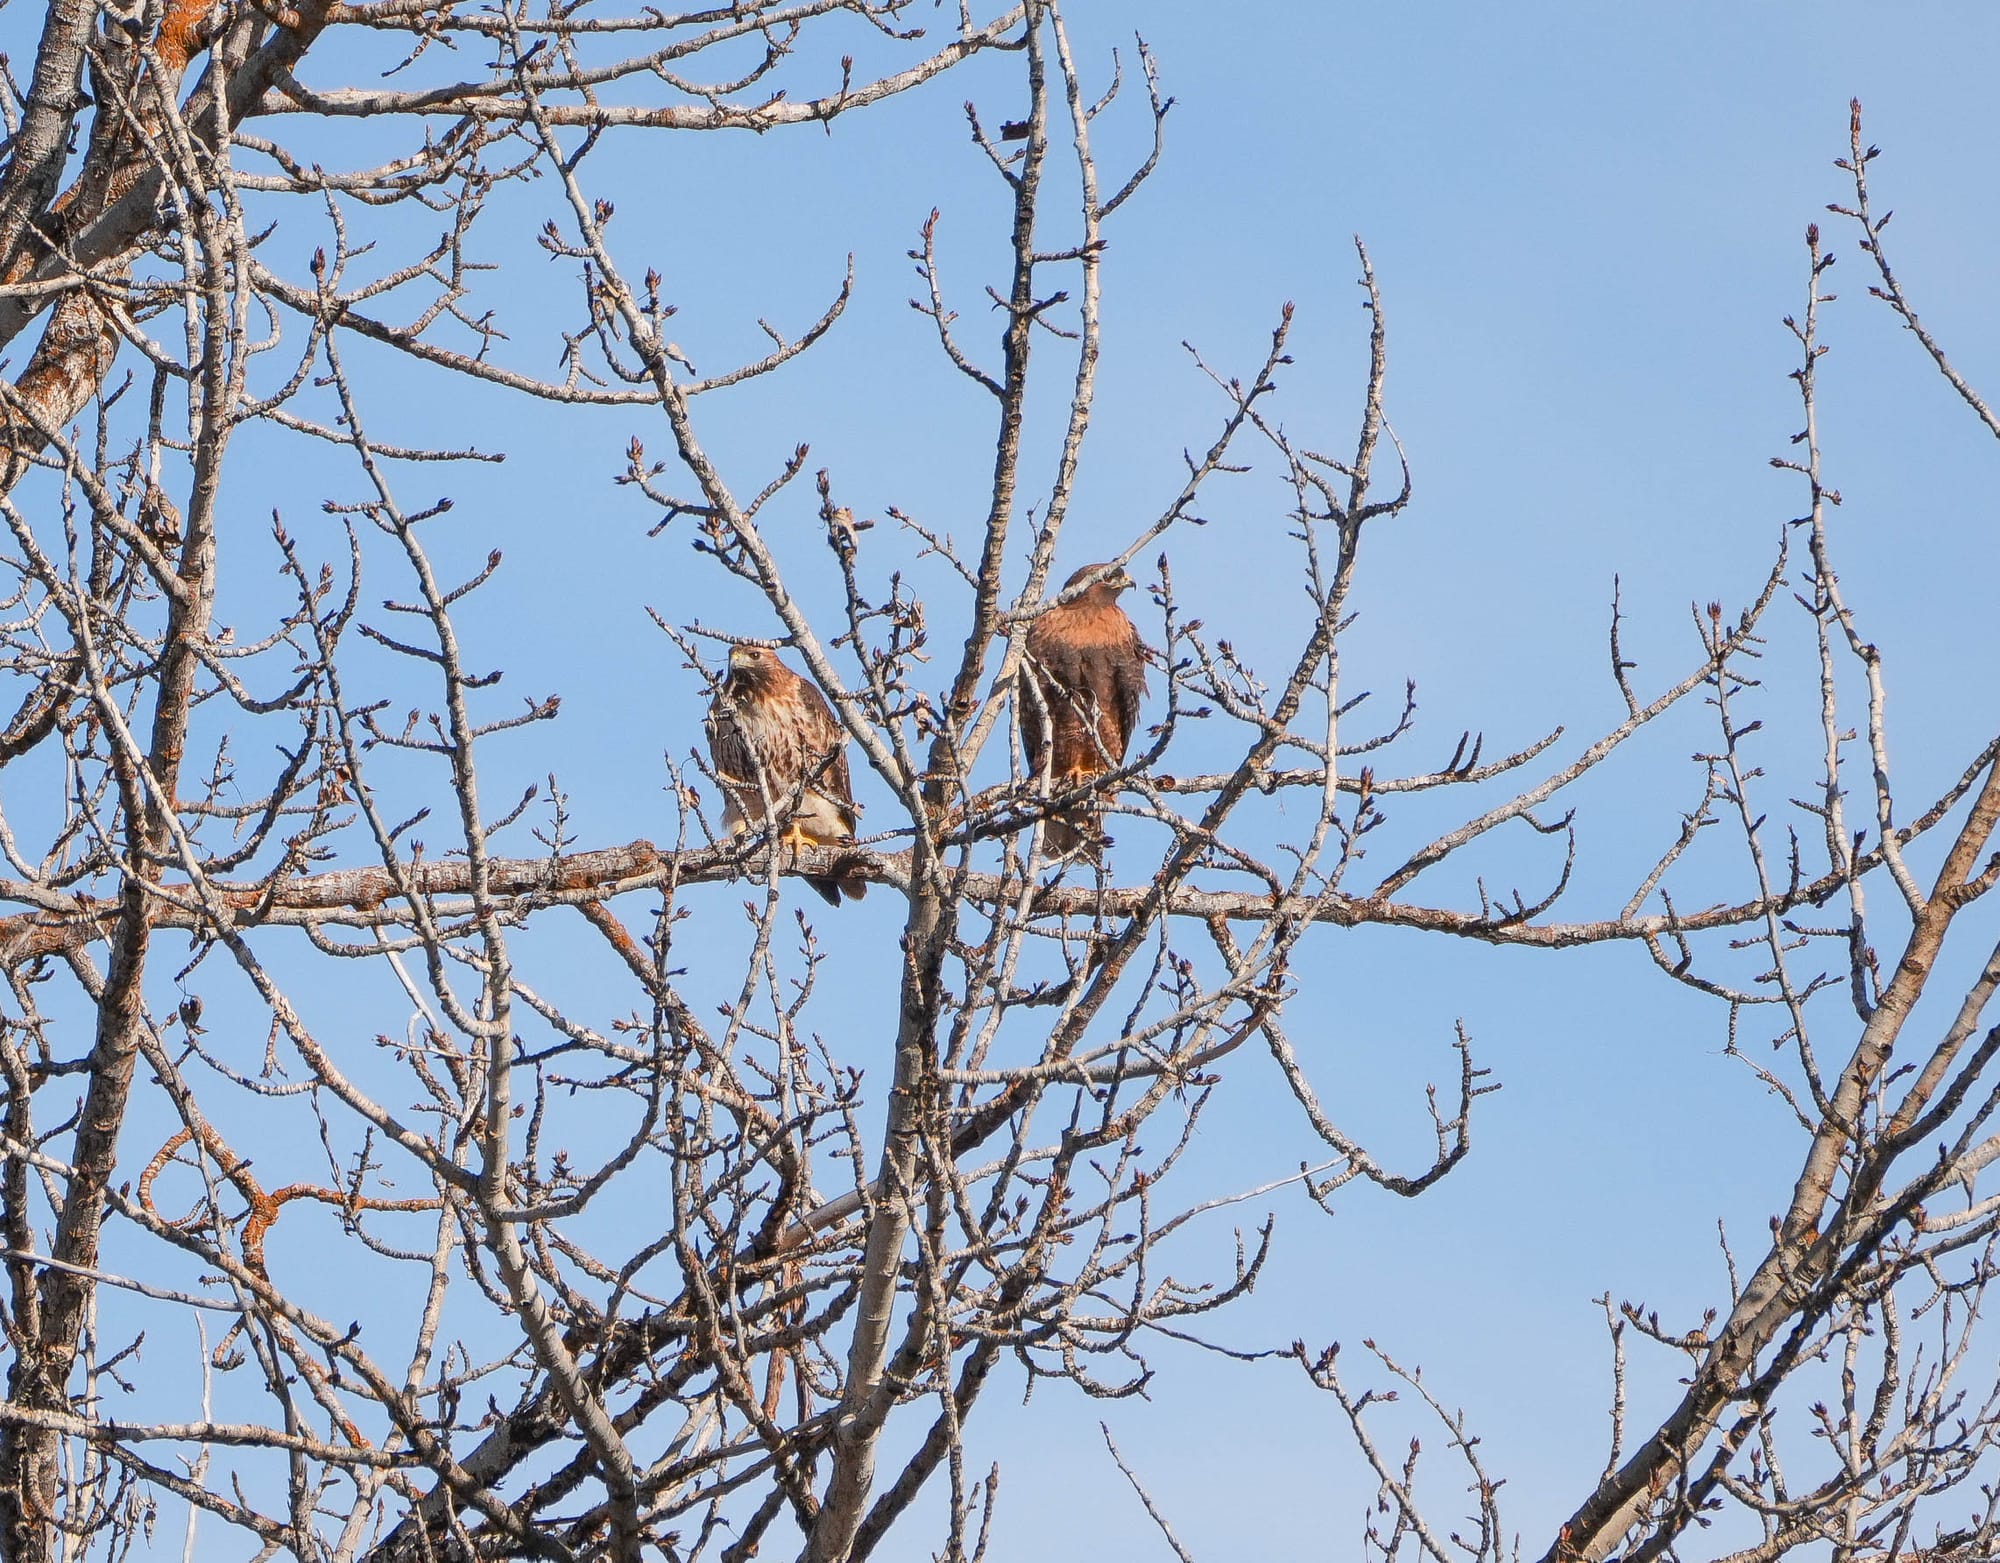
(367,897)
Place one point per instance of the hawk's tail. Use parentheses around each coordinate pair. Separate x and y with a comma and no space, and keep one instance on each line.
(846,880)
(832,889)
(1073,833)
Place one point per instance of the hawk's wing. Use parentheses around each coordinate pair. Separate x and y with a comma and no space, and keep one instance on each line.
(728,749)
(822,749)
(1126,667)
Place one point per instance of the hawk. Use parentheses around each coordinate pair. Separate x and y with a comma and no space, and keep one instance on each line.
(765,714)
(1087,673)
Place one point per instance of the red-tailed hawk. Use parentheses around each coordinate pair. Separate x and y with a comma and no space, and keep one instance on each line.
(1086,676)
(766,714)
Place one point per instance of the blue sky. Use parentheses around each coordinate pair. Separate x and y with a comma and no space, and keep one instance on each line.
(1586,221)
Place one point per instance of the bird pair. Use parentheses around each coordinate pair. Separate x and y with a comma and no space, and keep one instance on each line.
(778,750)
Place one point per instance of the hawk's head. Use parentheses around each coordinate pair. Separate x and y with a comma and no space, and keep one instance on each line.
(1105,591)
(753,665)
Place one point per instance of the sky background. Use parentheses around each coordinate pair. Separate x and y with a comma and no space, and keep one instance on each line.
(1587,225)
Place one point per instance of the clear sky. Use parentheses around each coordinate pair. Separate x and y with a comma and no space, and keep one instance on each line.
(1587,223)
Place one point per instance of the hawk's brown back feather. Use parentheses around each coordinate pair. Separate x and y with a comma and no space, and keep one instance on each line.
(1088,671)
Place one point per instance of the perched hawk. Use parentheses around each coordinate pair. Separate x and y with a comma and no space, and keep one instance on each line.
(766,713)
(1088,673)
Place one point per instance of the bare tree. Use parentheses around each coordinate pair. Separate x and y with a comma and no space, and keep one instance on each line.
(693,1338)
